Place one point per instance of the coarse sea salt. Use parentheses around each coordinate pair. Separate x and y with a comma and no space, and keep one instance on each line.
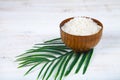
(81,26)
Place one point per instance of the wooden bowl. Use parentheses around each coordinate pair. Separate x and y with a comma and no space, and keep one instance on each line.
(80,43)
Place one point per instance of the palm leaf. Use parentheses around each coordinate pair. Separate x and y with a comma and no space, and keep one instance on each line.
(53,40)
(80,63)
(41,70)
(72,64)
(36,55)
(65,65)
(89,55)
(54,55)
(41,50)
(47,70)
(53,68)
(31,68)
(60,48)
(31,61)
(55,43)
(60,66)
(51,49)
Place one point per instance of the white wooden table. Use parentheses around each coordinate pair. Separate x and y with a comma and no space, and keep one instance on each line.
(24,23)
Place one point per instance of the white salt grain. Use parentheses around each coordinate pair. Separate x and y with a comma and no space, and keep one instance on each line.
(81,26)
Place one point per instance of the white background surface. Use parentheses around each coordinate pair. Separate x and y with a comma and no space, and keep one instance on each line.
(24,23)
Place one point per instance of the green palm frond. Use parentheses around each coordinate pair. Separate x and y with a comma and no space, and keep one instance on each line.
(54,55)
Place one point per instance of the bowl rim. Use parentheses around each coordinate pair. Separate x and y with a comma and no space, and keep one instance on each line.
(68,19)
